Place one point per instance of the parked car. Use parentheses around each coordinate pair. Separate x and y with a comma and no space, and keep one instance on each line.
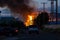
(9,26)
(33,29)
(11,31)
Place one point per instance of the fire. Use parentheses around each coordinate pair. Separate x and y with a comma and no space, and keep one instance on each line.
(29,20)
(30,17)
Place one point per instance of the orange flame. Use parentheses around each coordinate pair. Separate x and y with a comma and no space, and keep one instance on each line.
(29,20)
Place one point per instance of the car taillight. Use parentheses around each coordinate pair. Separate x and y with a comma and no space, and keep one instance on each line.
(16,30)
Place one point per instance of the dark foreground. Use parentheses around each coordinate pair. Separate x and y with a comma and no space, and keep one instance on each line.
(41,36)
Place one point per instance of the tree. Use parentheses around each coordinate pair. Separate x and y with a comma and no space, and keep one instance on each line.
(42,19)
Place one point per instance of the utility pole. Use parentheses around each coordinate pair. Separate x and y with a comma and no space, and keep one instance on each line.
(56,11)
(43,6)
(52,9)
(43,10)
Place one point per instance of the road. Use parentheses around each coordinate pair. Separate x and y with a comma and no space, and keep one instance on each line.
(41,36)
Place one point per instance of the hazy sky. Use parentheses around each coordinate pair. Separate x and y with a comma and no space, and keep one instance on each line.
(39,3)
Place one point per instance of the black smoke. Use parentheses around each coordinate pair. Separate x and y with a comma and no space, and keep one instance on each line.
(16,5)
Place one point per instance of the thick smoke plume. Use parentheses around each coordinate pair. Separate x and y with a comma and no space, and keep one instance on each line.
(18,6)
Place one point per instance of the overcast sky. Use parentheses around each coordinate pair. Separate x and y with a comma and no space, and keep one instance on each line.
(39,3)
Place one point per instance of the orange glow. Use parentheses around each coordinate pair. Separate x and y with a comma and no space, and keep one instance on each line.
(29,20)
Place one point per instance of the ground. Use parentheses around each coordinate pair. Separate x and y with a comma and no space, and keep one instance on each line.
(52,26)
(41,36)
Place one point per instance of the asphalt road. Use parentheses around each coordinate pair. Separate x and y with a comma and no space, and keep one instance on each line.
(41,36)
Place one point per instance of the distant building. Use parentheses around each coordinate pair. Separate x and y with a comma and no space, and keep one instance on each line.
(5,12)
